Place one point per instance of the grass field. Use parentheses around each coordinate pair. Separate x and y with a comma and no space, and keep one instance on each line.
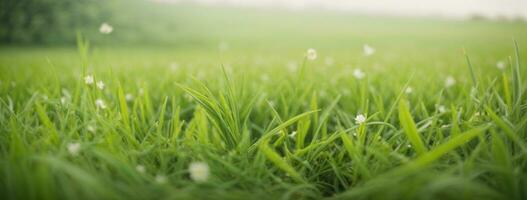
(236,110)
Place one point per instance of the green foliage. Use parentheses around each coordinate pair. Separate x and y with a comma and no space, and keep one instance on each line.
(269,124)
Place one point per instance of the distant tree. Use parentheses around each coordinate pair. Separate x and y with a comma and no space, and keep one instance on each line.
(49,21)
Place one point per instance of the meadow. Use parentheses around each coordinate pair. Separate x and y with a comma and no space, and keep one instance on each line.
(269,105)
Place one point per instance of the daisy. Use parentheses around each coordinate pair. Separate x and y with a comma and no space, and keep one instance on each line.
(74,148)
(129,97)
(100,104)
(199,171)
(359,74)
(501,65)
(368,50)
(450,81)
(100,85)
(105,28)
(311,54)
(89,79)
(441,109)
(360,118)
(408,90)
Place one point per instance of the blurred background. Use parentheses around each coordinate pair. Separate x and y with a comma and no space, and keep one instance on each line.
(184,23)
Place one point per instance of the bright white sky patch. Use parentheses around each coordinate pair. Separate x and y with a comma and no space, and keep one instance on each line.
(446,8)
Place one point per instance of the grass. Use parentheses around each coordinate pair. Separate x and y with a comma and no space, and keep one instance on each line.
(269,123)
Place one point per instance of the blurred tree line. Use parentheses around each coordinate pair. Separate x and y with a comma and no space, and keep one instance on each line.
(50,21)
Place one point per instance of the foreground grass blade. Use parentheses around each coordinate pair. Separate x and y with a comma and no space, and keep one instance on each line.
(433,155)
(409,127)
(278,161)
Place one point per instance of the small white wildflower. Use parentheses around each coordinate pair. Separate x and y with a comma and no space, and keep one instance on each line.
(199,171)
(100,104)
(450,81)
(368,50)
(501,65)
(140,168)
(89,79)
(360,118)
(441,109)
(105,28)
(355,134)
(408,90)
(161,179)
(74,148)
(293,134)
(129,97)
(409,146)
(100,85)
(311,54)
(359,74)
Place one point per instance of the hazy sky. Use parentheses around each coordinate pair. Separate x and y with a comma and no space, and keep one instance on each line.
(447,8)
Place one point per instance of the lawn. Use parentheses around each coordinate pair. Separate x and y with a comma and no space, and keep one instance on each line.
(232,106)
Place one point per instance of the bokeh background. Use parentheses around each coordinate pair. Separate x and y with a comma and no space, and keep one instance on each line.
(209,22)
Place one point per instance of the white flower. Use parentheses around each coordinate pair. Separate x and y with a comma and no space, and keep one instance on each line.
(293,134)
(105,28)
(74,148)
(100,85)
(409,146)
(199,171)
(441,109)
(140,168)
(100,104)
(161,179)
(408,90)
(501,65)
(129,97)
(359,74)
(450,81)
(89,79)
(368,50)
(311,54)
(360,118)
